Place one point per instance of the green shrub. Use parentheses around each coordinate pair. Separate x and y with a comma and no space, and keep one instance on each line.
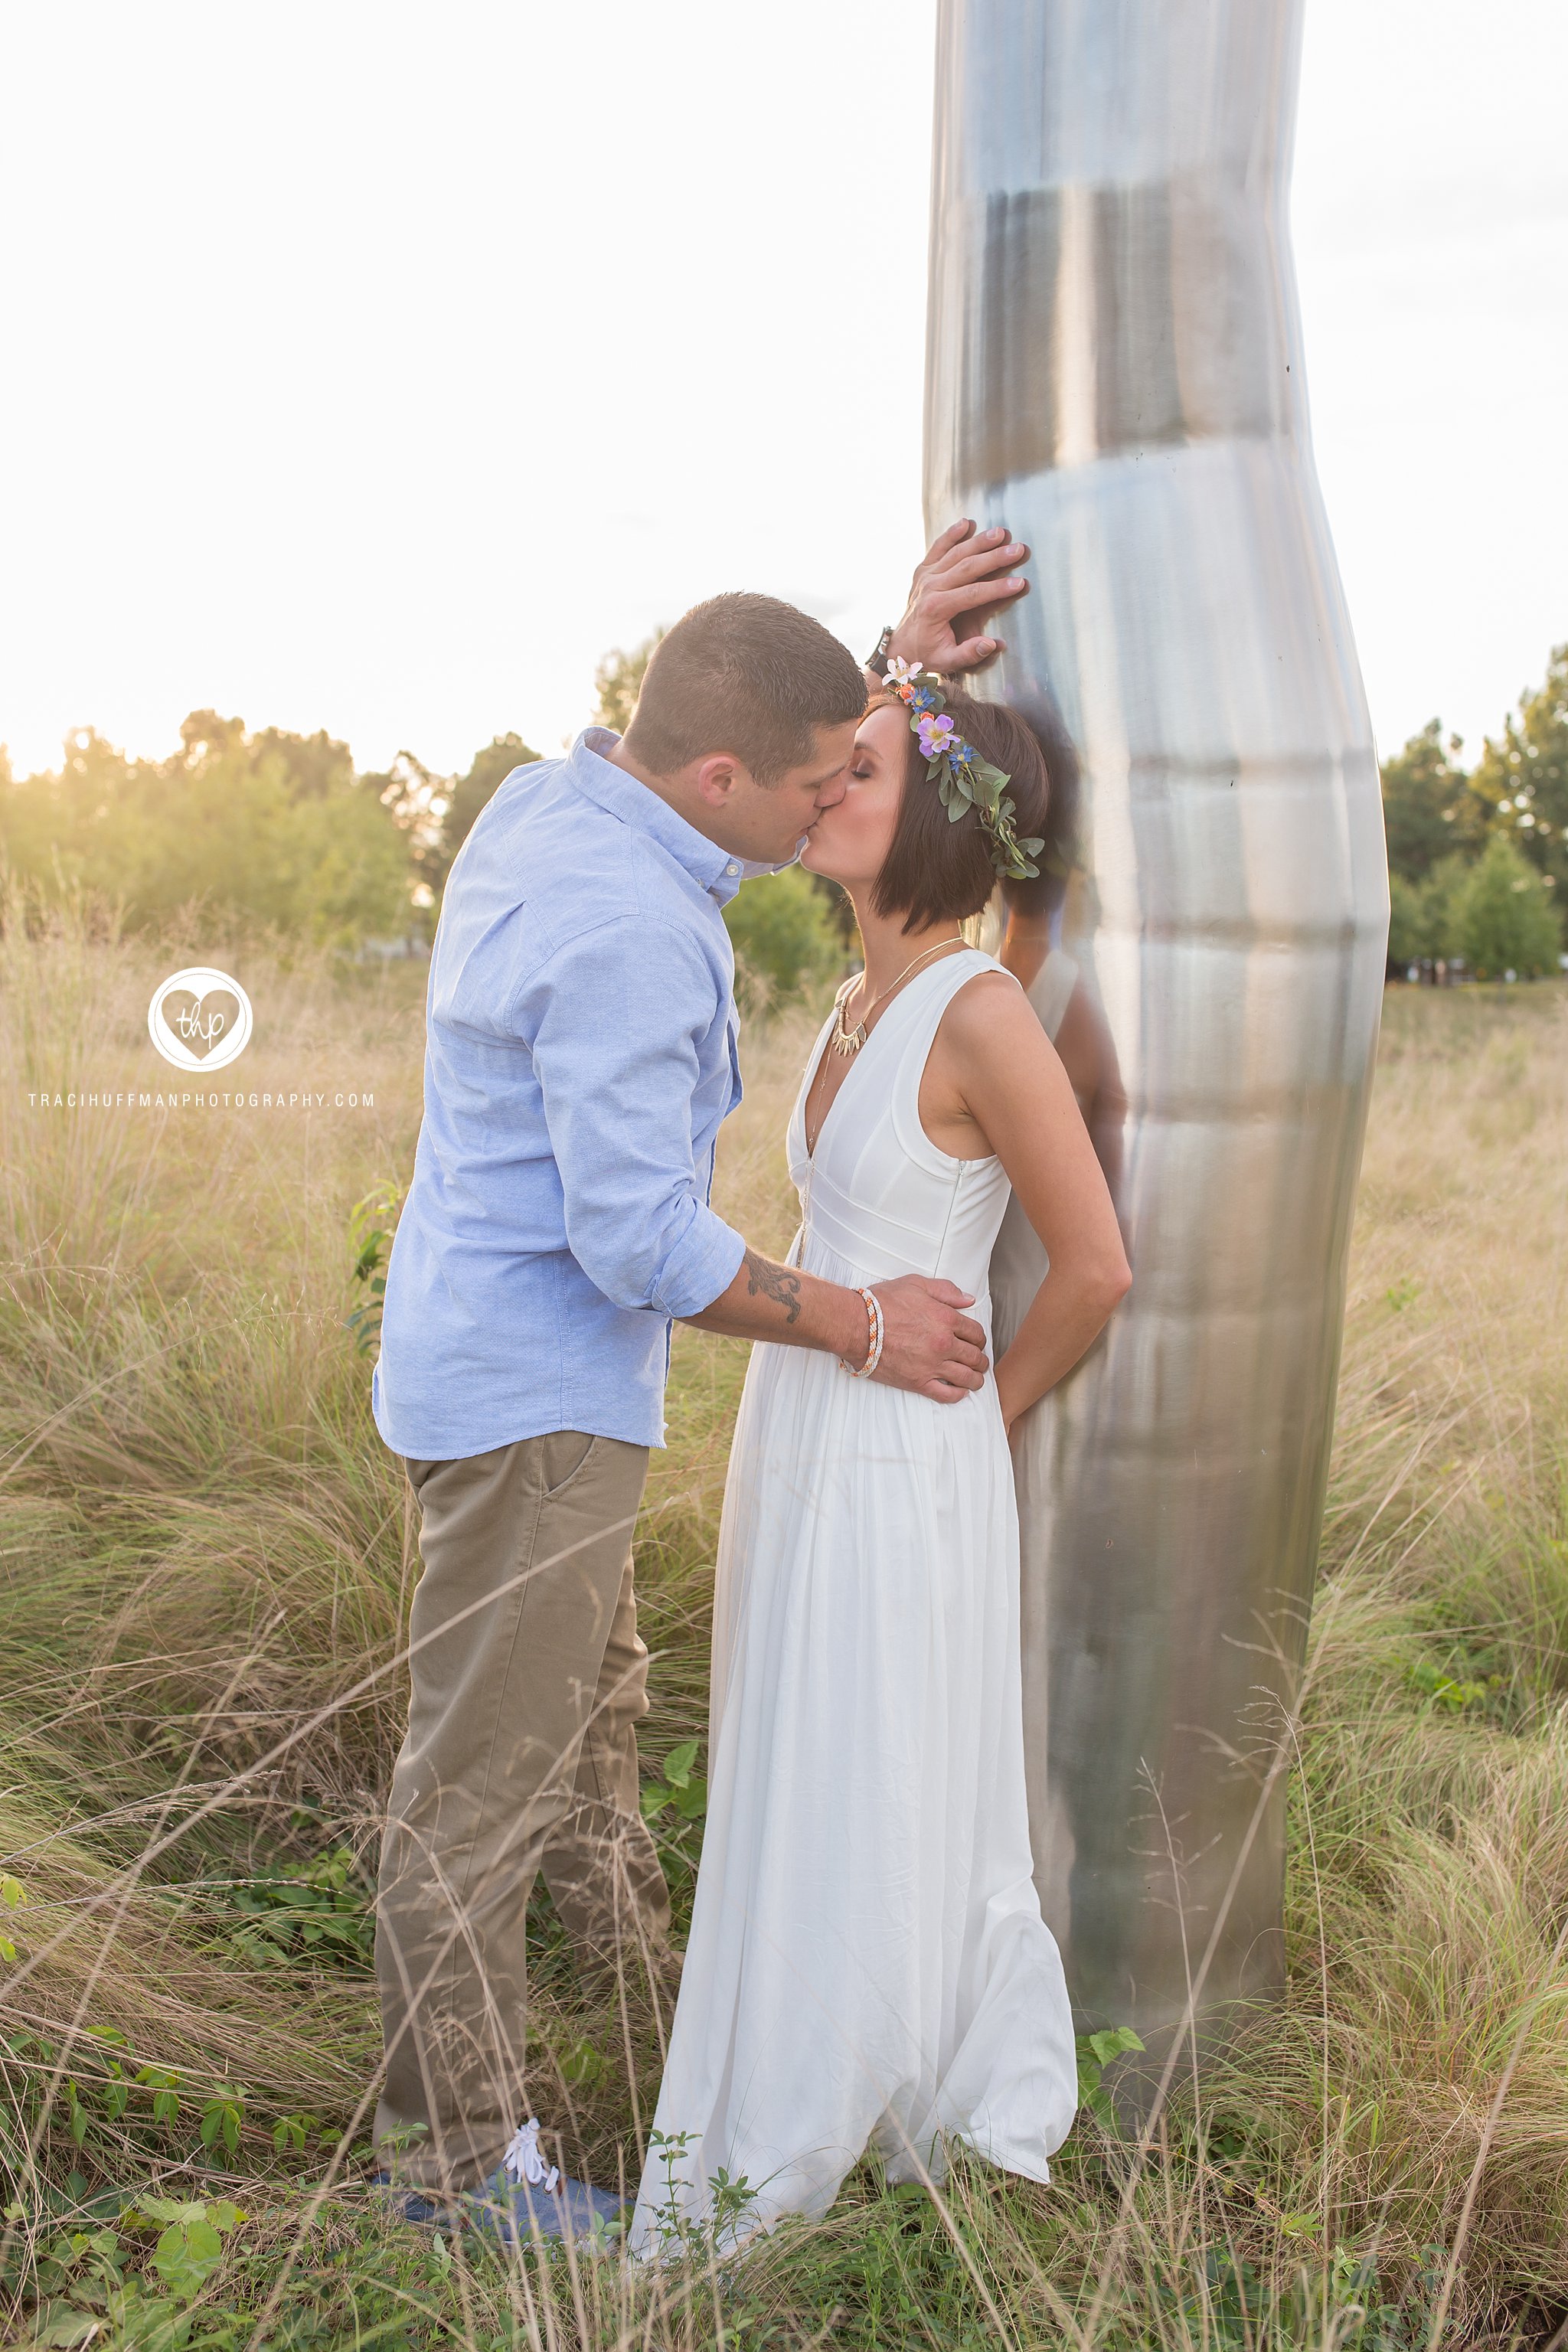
(1407,925)
(1504,915)
(1423,916)
(783,933)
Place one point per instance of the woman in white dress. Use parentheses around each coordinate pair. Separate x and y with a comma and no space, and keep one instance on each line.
(868,1965)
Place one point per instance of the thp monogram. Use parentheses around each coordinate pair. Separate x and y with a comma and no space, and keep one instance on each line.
(199,1019)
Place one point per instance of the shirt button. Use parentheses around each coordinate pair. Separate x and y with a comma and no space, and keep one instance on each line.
(731,868)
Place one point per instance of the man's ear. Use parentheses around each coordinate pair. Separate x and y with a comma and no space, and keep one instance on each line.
(718,778)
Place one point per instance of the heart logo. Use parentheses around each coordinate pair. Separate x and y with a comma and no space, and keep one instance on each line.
(200,1022)
(200,1019)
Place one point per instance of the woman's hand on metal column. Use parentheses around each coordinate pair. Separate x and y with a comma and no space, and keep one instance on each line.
(963,576)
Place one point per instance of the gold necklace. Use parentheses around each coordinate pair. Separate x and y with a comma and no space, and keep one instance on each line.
(850,1041)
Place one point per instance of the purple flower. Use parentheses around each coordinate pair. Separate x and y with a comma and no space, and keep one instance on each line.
(936,736)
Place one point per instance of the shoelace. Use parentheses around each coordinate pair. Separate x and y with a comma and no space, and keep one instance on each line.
(522,2161)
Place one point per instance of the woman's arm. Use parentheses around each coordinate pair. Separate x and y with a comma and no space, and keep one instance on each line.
(995,1078)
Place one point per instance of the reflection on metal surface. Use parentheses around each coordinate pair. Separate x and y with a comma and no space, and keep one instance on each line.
(1114,369)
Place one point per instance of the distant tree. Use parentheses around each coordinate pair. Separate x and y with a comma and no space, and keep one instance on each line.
(1429,810)
(617,682)
(415,798)
(1504,915)
(1523,777)
(317,767)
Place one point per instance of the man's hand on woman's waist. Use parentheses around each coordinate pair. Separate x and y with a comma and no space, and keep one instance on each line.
(930,1346)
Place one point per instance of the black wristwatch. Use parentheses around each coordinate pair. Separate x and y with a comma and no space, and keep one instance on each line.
(876,659)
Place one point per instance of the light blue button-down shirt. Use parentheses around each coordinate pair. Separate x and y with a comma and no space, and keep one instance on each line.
(580,1057)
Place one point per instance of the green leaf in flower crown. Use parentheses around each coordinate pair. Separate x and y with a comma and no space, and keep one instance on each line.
(955,809)
(935,769)
(1030,845)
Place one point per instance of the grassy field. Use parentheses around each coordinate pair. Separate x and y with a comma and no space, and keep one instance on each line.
(207,1556)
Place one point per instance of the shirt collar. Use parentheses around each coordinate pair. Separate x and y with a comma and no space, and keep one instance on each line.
(623,796)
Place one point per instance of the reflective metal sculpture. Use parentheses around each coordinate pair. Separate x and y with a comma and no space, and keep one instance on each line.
(1115,368)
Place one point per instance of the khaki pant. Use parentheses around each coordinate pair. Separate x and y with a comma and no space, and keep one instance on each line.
(528,1680)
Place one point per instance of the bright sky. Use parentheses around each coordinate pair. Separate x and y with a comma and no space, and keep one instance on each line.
(377,366)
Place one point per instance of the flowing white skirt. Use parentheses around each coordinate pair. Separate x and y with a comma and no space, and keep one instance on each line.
(868,1965)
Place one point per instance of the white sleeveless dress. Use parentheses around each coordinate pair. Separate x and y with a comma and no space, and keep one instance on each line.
(868,1964)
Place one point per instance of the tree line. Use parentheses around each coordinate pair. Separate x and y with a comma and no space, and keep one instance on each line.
(1477,857)
(269,831)
(280,832)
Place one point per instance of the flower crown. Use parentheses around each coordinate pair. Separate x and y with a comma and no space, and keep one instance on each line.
(964,779)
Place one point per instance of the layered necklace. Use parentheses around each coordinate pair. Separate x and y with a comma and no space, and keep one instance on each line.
(850,1041)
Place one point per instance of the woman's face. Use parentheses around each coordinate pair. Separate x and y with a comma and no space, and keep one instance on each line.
(849,842)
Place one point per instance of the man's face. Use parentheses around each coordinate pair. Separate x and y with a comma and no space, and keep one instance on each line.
(764,823)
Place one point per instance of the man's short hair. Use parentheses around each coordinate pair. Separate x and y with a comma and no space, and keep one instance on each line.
(745,675)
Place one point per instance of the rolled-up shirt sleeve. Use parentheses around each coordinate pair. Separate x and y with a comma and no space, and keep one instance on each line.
(619,1017)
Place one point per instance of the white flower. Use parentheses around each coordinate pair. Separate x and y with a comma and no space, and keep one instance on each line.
(900,672)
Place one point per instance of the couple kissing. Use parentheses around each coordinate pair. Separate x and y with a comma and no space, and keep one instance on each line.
(868,1966)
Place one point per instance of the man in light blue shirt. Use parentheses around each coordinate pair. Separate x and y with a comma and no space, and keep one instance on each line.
(581,1055)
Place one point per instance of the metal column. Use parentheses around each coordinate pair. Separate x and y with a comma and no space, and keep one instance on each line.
(1115,368)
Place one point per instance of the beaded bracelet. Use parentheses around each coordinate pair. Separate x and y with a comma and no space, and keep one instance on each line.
(874,1350)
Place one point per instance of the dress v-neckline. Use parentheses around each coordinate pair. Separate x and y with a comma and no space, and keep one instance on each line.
(824,1043)
(810,1149)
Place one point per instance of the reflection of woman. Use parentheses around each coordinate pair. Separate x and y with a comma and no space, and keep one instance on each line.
(1049,988)
(1062,1000)
(1072,1020)
(869,1964)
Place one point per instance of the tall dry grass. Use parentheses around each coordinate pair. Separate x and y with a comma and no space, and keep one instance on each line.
(207,1559)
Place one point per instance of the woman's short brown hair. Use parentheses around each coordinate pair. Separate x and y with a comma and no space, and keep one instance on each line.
(939,871)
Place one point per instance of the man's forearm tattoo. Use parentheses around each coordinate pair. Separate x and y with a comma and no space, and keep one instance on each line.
(767,1280)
